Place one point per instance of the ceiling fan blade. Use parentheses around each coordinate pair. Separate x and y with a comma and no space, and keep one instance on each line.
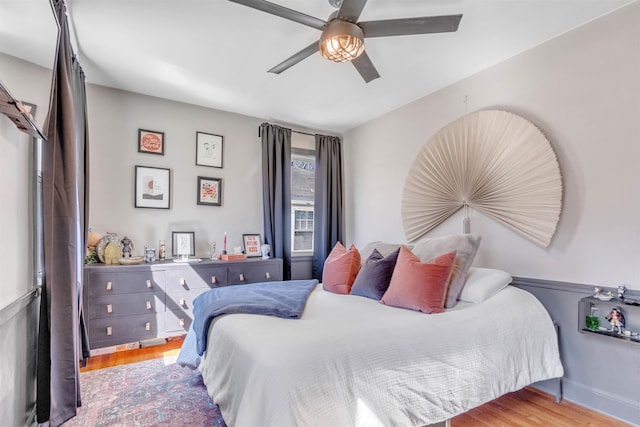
(407,26)
(294,59)
(365,67)
(283,12)
(350,10)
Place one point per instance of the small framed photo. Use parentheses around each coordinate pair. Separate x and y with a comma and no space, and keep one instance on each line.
(252,245)
(152,187)
(150,141)
(209,149)
(209,191)
(183,243)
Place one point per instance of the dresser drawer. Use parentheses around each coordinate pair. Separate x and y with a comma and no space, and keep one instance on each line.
(123,282)
(125,305)
(196,277)
(252,273)
(178,321)
(182,299)
(105,332)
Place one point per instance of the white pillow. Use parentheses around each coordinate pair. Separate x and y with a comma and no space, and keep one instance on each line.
(483,283)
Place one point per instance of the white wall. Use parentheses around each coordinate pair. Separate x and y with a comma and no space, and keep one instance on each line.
(114,119)
(31,84)
(583,91)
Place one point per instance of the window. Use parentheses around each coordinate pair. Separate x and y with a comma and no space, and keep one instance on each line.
(302,228)
(303,169)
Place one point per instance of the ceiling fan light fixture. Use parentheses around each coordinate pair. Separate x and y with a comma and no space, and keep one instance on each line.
(341,41)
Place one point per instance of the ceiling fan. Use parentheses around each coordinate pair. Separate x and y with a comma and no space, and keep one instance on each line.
(343,36)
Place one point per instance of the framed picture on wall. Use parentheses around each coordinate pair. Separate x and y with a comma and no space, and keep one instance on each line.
(152,187)
(150,141)
(183,243)
(252,244)
(209,191)
(209,150)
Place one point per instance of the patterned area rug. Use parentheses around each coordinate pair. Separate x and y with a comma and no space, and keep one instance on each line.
(151,393)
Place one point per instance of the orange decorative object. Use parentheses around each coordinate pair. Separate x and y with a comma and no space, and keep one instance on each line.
(93,238)
(232,257)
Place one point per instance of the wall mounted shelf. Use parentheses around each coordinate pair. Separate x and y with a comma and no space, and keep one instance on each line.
(591,306)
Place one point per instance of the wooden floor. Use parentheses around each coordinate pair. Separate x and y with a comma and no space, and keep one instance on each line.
(171,348)
(524,408)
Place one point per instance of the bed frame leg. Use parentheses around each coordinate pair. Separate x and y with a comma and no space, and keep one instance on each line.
(558,380)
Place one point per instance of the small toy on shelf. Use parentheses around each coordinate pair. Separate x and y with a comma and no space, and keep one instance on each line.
(616,320)
(621,290)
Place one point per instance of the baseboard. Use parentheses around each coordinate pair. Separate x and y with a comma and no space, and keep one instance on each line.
(153,342)
(614,406)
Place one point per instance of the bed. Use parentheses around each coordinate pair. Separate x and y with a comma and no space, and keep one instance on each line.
(352,361)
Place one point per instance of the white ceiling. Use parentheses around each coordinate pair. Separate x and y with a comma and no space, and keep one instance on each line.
(216,53)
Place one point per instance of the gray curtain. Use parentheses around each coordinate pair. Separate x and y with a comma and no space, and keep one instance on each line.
(328,223)
(65,168)
(276,192)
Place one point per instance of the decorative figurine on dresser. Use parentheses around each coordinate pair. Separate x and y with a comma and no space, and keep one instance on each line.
(214,254)
(265,248)
(616,320)
(127,247)
(112,252)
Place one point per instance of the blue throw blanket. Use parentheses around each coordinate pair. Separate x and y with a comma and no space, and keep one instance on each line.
(285,299)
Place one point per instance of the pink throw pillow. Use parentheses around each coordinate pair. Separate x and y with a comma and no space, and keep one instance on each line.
(340,269)
(419,286)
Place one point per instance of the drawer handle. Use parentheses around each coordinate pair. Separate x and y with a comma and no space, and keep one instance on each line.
(147,326)
(183,303)
(214,280)
(149,284)
(148,305)
(241,277)
(181,322)
(267,275)
(109,286)
(109,330)
(183,282)
(109,308)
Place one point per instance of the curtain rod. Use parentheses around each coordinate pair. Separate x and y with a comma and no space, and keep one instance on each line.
(303,133)
(294,131)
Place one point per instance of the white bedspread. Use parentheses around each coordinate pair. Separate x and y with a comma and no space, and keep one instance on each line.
(351,361)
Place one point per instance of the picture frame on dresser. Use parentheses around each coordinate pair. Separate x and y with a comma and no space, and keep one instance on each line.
(209,191)
(150,142)
(152,187)
(209,150)
(252,243)
(183,243)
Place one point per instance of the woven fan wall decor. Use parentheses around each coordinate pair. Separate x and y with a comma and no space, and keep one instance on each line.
(493,161)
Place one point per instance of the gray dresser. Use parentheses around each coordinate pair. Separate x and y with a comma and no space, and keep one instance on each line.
(129,303)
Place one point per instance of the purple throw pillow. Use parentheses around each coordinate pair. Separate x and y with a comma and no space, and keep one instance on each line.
(374,276)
